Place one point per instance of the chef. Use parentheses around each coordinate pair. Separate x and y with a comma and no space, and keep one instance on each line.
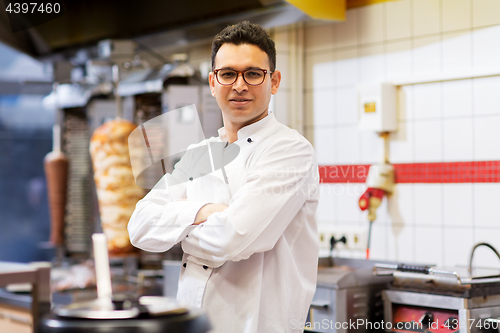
(247,229)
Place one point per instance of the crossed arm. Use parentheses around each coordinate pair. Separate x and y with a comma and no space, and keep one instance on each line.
(208,210)
(253,222)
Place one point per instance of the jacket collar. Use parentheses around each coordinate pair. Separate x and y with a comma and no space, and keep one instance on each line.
(249,131)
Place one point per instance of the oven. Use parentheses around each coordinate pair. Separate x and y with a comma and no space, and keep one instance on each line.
(426,299)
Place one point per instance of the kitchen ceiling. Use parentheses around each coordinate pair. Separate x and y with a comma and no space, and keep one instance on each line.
(152,23)
(87,22)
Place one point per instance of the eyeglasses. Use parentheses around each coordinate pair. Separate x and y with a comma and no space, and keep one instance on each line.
(252,77)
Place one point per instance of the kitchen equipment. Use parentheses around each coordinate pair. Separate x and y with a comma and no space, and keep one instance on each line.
(117,191)
(380,182)
(79,209)
(427,299)
(146,314)
(346,292)
(171,272)
(56,172)
(20,313)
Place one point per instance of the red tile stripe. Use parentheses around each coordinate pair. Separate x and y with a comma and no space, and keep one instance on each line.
(343,173)
(446,172)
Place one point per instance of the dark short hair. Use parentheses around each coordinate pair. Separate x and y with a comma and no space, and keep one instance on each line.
(245,33)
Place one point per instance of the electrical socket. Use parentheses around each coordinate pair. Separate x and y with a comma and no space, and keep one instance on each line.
(356,237)
(322,240)
(324,235)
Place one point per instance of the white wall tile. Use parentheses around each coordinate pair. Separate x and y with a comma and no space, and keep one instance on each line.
(426,56)
(457,205)
(308,116)
(428,100)
(326,204)
(397,19)
(401,243)
(309,109)
(347,196)
(487,138)
(486,205)
(456,14)
(405,102)
(457,98)
(346,106)
(324,74)
(347,67)
(398,59)
(282,64)
(348,145)
(324,107)
(401,205)
(309,134)
(281,108)
(308,71)
(428,204)
(401,144)
(372,63)
(484,257)
(371,147)
(325,144)
(429,245)
(486,47)
(371,23)
(426,17)
(486,94)
(458,140)
(485,12)
(320,71)
(378,243)
(319,37)
(422,222)
(457,52)
(458,243)
(281,37)
(428,141)
(347,31)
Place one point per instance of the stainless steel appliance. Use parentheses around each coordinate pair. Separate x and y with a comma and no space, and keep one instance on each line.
(38,304)
(148,314)
(108,314)
(347,298)
(426,299)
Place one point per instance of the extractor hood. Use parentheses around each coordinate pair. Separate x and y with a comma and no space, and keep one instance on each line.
(152,22)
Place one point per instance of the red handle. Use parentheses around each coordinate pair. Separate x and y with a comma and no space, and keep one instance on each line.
(370,192)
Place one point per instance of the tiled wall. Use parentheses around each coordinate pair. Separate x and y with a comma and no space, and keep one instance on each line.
(438,122)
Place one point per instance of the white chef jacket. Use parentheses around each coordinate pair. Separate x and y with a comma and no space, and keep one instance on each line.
(252,267)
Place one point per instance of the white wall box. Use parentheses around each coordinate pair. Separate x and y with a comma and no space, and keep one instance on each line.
(377,107)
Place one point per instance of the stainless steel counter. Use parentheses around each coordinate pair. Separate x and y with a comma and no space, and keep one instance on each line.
(346,291)
(38,277)
(15,299)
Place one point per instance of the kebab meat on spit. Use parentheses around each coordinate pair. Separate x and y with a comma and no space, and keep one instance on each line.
(56,173)
(117,191)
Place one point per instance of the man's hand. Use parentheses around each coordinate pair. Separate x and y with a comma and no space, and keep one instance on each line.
(208,210)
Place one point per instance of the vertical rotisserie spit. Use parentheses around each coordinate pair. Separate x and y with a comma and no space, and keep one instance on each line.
(56,173)
(117,191)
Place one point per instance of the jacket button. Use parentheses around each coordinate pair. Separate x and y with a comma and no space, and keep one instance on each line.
(184,265)
(249,140)
(191,178)
(205,267)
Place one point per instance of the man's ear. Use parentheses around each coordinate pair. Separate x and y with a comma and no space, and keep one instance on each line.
(275,81)
(211,82)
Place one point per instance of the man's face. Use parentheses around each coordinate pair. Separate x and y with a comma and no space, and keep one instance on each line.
(243,104)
